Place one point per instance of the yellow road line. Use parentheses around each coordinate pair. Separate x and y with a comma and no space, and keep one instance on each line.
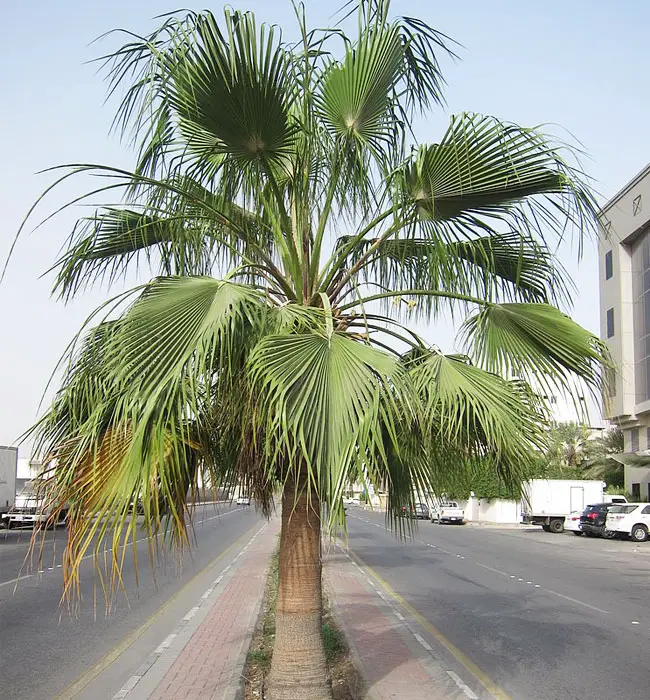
(89,676)
(496,691)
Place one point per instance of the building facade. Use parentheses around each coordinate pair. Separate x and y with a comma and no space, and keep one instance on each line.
(624,280)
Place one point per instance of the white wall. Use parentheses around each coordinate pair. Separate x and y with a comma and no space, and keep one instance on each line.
(492,510)
(638,475)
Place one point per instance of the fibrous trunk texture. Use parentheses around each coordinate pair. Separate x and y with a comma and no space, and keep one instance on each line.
(298,669)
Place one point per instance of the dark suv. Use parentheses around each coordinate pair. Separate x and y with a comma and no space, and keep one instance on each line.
(593,518)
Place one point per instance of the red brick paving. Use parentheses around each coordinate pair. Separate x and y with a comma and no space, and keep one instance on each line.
(207,667)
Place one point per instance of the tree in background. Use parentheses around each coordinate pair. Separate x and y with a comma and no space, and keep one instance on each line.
(296,227)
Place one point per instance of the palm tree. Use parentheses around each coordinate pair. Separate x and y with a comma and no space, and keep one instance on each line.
(297,227)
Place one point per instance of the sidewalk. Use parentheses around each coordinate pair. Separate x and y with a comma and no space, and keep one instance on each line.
(204,658)
(391,656)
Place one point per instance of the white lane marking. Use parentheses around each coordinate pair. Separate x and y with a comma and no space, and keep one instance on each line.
(422,641)
(15,580)
(537,585)
(217,580)
(577,602)
(191,613)
(634,622)
(165,643)
(463,686)
(207,594)
(127,687)
(399,615)
(89,556)
(496,571)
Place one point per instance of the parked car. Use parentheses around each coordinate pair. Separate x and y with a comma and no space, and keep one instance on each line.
(572,523)
(418,510)
(447,513)
(631,519)
(594,518)
(421,511)
(243,501)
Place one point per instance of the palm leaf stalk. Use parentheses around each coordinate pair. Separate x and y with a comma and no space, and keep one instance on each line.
(295,230)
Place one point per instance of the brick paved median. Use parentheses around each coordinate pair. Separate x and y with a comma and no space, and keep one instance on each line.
(211,664)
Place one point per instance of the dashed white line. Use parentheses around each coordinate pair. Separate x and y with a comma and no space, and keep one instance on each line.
(578,602)
(634,622)
(422,641)
(191,613)
(207,594)
(399,615)
(15,580)
(463,686)
(165,644)
(127,687)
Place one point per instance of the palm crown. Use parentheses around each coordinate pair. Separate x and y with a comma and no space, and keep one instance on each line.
(290,173)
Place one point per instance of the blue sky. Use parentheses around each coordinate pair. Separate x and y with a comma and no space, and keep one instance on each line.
(580,66)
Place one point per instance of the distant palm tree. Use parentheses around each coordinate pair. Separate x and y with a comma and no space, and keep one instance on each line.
(287,171)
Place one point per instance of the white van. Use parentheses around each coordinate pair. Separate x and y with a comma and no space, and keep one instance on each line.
(614,498)
(632,519)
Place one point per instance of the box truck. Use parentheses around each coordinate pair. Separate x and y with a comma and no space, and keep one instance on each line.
(8,466)
(547,502)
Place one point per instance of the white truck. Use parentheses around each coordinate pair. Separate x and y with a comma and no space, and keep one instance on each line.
(447,512)
(8,466)
(32,508)
(547,502)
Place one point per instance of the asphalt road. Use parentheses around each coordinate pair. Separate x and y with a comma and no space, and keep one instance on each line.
(44,649)
(544,616)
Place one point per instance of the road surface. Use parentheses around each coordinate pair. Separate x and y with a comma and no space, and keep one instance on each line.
(43,649)
(542,616)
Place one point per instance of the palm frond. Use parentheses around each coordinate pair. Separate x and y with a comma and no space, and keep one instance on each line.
(483,167)
(473,413)
(321,396)
(538,343)
(506,267)
(355,100)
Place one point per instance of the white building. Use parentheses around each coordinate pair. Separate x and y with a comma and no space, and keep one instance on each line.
(624,279)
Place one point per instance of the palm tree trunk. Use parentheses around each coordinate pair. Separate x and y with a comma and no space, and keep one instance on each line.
(298,669)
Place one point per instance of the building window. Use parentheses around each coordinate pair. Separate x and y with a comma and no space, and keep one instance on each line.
(610,323)
(609,265)
(634,440)
(636,492)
